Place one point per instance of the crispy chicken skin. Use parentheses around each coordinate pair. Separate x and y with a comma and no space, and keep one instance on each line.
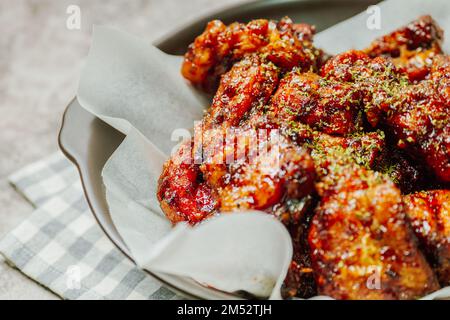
(429,212)
(276,170)
(377,80)
(362,246)
(328,106)
(182,193)
(285,44)
(415,115)
(421,127)
(361,243)
(248,84)
(412,47)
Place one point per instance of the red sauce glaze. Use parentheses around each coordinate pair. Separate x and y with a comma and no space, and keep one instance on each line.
(212,53)
(352,134)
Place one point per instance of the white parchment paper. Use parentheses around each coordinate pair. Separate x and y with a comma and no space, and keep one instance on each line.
(138,89)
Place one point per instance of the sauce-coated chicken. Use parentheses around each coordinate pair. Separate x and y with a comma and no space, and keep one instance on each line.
(327,147)
(283,43)
(415,115)
(412,47)
(362,246)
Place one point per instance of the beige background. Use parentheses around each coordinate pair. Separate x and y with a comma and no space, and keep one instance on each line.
(39,64)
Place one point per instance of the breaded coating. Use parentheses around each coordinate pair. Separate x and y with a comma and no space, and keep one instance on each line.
(285,44)
(328,106)
(361,243)
(412,47)
(255,172)
(182,193)
(415,115)
(249,83)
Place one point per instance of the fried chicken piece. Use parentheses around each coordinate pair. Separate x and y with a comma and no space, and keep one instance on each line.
(440,78)
(415,115)
(377,80)
(248,84)
(254,169)
(328,106)
(429,212)
(420,119)
(361,244)
(412,47)
(421,126)
(230,178)
(182,193)
(212,53)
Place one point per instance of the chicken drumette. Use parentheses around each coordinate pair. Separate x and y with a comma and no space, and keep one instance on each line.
(283,43)
(362,246)
(415,115)
(412,48)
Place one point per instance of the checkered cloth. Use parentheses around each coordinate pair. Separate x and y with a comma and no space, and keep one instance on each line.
(62,247)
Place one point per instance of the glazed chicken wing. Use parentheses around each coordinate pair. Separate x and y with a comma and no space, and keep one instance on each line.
(362,246)
(249,83)
(285,44)
(329,106)
(182,193)
(429,212)
(412,47)
(416,115)
(361,243)
(253,169)
(419,119)
(421,126)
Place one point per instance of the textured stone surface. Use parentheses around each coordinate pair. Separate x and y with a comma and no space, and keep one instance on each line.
(39,64)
